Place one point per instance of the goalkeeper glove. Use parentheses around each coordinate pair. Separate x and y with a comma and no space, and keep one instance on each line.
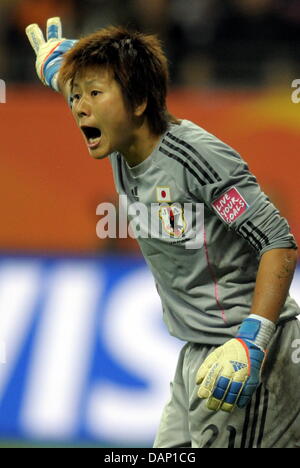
(230,375)
(49,55)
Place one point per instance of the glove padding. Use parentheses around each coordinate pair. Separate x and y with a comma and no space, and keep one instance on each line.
(230,375)
(49,53)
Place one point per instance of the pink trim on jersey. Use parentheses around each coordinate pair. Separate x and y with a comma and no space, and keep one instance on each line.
(214,279)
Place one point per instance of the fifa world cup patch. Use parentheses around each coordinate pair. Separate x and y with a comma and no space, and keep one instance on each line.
(230,206)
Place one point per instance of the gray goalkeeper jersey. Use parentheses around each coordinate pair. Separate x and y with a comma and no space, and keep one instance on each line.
(206,226)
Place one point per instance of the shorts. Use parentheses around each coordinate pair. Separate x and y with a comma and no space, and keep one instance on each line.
(271,420)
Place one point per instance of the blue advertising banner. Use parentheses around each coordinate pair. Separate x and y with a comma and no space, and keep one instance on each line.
(84,353)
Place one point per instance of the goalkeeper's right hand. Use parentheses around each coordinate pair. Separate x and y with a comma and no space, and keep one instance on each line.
(49,54)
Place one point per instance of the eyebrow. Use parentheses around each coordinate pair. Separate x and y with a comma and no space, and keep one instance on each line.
(89,82)
(76,85)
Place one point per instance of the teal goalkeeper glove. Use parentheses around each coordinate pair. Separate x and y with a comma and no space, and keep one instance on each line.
(230,375)
(49,55)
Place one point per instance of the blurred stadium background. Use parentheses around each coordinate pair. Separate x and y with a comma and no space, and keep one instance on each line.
(88,360)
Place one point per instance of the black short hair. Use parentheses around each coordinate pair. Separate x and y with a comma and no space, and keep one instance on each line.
(138,63)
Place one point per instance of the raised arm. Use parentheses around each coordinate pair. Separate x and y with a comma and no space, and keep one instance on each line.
(49,52)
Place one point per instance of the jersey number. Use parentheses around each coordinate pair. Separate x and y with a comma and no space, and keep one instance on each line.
(215,432)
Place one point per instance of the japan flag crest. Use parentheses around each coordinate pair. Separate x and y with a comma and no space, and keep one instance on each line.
(173,220)
(163,194)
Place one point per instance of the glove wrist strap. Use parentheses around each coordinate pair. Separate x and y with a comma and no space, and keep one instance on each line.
(258,330)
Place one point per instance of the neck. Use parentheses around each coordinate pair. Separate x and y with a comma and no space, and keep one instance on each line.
(141,146)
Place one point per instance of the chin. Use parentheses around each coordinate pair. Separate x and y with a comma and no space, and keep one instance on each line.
(99,155)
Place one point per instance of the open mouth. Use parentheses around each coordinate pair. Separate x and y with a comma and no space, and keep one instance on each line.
(92,135)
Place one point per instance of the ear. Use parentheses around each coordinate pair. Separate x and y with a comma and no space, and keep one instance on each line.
(140,109)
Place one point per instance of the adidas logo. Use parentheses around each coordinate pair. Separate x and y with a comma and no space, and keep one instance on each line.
(238,365)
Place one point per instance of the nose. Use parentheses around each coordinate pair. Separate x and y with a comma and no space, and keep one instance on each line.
(82,108)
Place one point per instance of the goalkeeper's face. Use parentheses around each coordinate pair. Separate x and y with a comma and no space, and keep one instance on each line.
(101,113)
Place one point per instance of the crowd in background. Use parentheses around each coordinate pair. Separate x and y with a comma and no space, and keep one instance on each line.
(208,42)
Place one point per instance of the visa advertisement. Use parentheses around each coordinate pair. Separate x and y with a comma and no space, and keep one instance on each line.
(85,355)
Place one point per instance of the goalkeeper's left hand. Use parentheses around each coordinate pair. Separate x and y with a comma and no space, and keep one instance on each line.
(49,53)
(230,375)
